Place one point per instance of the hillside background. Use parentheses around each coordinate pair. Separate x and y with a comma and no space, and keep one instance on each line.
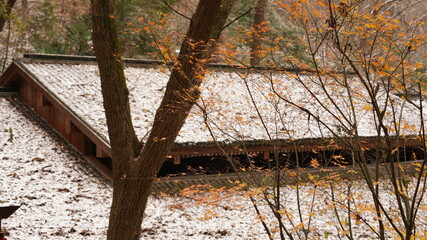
(148,27)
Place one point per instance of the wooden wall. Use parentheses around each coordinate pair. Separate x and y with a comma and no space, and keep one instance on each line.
(59,120)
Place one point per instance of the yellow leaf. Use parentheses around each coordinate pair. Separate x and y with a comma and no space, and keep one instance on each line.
(367,107)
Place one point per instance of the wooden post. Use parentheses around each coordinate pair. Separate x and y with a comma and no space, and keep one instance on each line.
(266,155)
(176,159)
(100,153)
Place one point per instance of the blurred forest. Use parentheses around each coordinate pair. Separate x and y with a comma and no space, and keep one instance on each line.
(146,28)
(155,29)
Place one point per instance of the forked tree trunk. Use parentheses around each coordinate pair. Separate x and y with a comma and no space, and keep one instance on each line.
(257,34)
(5,10)
(123,140)
(133,179)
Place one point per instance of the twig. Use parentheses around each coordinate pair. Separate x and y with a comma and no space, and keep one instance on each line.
(234,20)
(176,11)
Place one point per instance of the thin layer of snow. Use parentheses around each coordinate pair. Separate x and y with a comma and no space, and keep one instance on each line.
(227,101)
(62,198)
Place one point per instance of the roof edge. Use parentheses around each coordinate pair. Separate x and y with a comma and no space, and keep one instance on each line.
(327,142)
(40,57)
(20,66)
(9,71)
(76,59)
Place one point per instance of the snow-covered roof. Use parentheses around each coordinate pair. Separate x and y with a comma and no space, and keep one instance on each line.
(61,197)
(53,185)
(228,97)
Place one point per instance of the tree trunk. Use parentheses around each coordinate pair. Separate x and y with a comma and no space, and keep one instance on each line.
(5,10)
(114,90)
(181,92)
(25,10)
(133,179)
(226,7)
(257,33)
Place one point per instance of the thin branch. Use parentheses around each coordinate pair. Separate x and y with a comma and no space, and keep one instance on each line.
(234,20)
(176,11)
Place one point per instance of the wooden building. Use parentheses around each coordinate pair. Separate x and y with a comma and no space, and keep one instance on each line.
(74,128)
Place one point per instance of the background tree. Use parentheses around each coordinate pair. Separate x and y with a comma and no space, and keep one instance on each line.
(63,27)
(56,27)
(12,34)
(5,10)
(134,170)
(258,28)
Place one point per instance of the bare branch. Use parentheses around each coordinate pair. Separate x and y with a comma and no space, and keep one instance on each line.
(234,20)
(176,11)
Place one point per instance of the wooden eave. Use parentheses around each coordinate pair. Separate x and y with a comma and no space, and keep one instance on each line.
(301,145)
(18,72)
(19,69)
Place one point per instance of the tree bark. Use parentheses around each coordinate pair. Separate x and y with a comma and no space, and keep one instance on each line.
(25,10)
(224,12)
(114,90)
(133,178)
(5,10)
(257,34)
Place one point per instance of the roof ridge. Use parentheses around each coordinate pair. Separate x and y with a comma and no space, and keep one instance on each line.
(44,56)
(41,57)
(76,59)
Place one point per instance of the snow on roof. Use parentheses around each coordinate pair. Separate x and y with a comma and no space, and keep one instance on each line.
(62,198)
(57,192)
(227,102)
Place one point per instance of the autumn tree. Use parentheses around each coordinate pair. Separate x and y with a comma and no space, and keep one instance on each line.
(134,169)
(360,88)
